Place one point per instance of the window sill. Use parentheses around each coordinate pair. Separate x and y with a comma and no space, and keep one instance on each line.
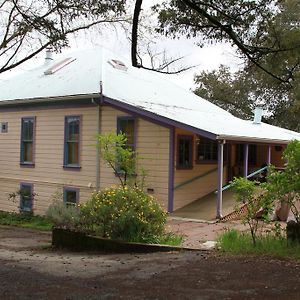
(27,165)
(72,167)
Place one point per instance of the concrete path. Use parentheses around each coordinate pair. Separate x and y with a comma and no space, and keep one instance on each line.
(197,234)
(205,208)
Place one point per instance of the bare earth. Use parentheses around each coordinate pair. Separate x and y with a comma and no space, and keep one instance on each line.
(30,270)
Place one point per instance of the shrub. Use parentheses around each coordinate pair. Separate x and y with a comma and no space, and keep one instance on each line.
(63,216)
(247,192)
(124,213)
(285,186)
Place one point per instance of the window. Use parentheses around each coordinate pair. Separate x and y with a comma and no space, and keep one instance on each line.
(126,125)
(184,152)
(72,141)
(4,127)
(240,148)
(71,196)
(26,197)
(27,141)
(207,150)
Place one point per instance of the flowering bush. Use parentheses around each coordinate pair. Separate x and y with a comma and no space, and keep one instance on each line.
(124,213)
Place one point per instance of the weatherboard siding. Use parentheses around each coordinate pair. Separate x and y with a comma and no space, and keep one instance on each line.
(198,188)
(48,175)
(152,145)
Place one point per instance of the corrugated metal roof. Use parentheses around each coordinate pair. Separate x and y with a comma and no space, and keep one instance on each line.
(135,87)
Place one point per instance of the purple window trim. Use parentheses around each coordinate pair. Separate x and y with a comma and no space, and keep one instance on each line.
(154,118)
(23,184)
(190,138)
(72,167)
(22,163)
(70,189)
(171,170)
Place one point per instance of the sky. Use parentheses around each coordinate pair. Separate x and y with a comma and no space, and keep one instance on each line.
(206,58)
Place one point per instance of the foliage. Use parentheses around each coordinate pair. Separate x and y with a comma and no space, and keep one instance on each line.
(241,243)
(247,192)
(285,186)
(123,213)
(237,92)
(25,220)
(250,26)
(63,216)
(29,27)
(121,158)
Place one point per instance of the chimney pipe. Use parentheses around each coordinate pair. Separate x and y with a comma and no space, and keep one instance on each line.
(48,57)
(258,112)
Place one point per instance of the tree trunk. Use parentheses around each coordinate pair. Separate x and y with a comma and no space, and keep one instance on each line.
(134,32)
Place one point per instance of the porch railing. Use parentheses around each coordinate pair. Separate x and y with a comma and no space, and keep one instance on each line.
(228,186)
(194,178)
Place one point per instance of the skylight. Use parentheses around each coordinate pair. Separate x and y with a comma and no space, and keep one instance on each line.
(59,65)
(117,64)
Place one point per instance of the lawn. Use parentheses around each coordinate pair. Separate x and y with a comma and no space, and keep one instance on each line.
(25,220)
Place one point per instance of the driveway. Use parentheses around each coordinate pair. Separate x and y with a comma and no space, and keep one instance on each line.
(32,270)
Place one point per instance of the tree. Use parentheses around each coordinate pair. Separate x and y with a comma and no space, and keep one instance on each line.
(250,26)
(238,92)
(29,27)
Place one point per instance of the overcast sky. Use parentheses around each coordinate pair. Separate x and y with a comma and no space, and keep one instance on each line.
(207,58)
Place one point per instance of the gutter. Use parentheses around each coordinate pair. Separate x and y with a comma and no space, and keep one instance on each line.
(47,99)
(99,119)
(251,139)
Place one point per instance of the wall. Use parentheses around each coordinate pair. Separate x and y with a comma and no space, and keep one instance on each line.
(48,176)
(152,145)
(198,188)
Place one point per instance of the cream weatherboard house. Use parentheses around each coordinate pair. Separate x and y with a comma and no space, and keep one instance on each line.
(50,116)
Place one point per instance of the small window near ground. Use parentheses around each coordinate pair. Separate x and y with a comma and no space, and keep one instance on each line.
(26,197)
(4,127)
(71,196)
(184,152)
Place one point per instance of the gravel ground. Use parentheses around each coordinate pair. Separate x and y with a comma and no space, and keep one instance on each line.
(32,270)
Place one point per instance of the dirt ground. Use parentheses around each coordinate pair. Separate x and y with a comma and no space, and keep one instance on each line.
(31,270)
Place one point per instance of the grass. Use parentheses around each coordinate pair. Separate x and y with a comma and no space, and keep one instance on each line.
(241,243)
(25,220)
(171,239)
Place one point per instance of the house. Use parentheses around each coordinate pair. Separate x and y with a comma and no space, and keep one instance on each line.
(50,116)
